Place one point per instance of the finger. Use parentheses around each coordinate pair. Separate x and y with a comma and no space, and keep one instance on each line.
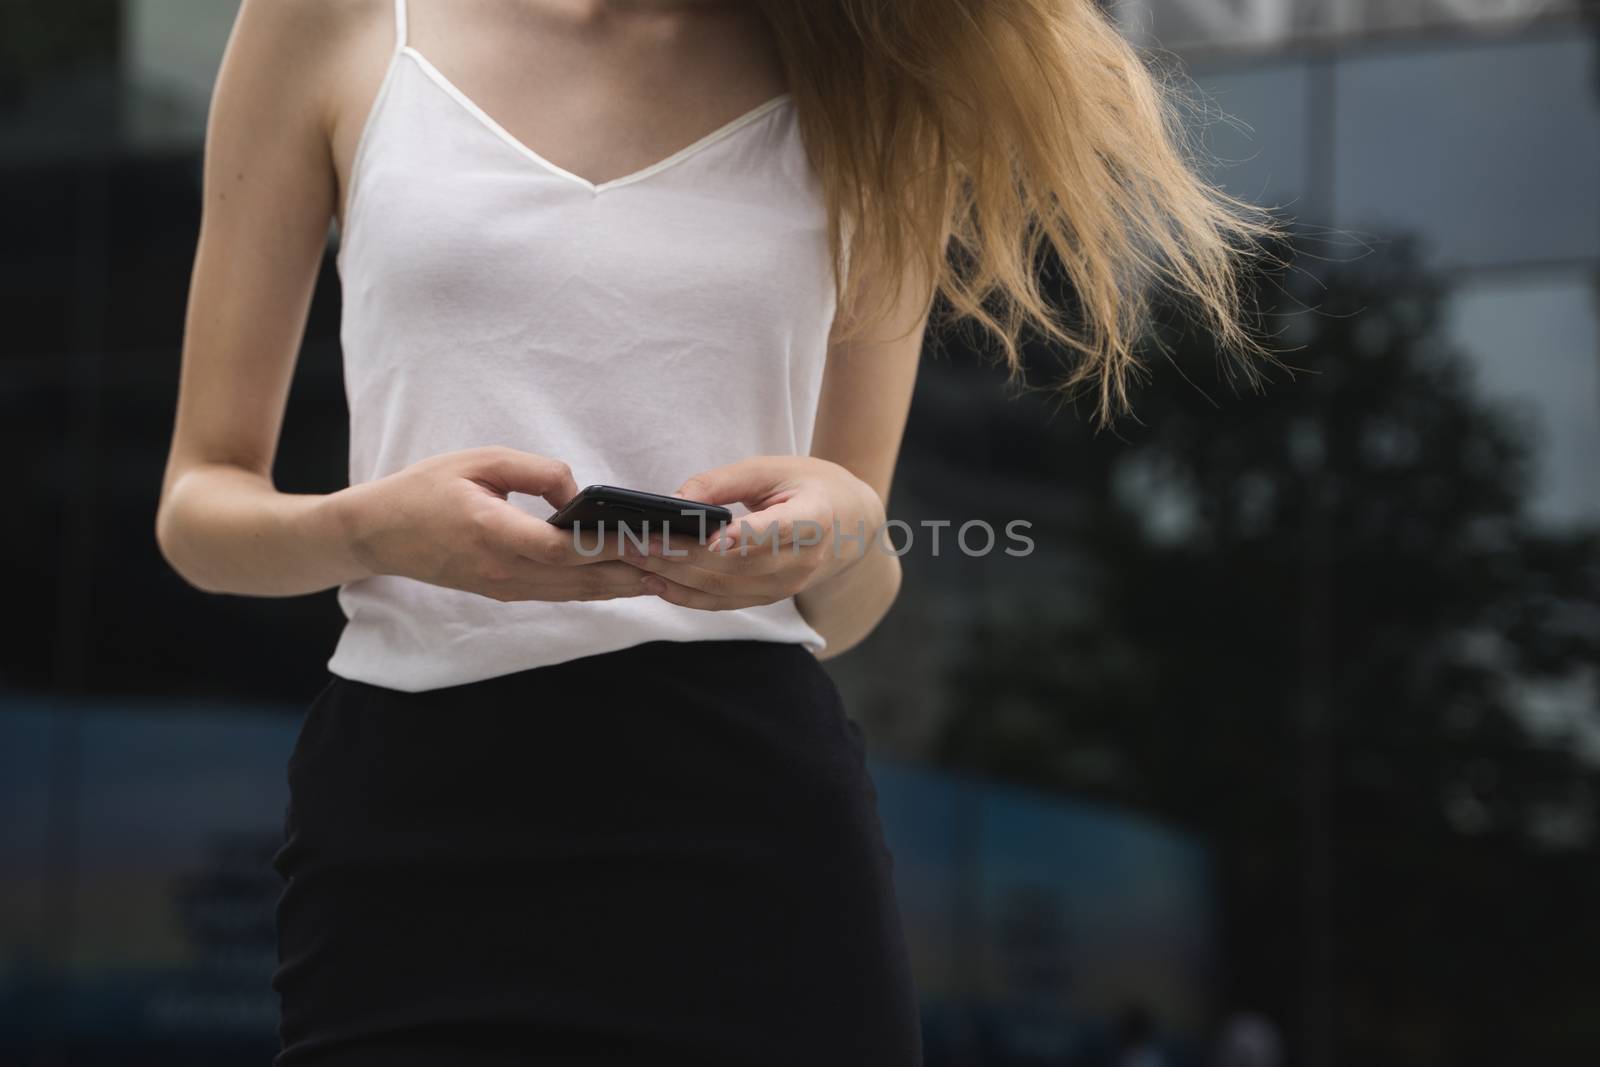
(684,596)
(680,551)
(772,527)
(769,585)
(766,531)
(509,470)
(685,532)
(509,529)
(746,481)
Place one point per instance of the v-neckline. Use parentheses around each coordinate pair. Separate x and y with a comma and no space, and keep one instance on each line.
(490,123)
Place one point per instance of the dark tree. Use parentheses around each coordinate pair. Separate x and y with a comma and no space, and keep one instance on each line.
(1319,661)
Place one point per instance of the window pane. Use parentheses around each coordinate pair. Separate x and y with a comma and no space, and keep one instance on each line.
(1275,23)
(1535,344)
(1491,152)
(1259,140)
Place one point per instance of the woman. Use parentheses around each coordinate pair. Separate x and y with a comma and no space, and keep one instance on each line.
(608,807)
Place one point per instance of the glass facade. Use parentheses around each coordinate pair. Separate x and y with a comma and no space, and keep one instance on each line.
(1489,151)
(1286,734)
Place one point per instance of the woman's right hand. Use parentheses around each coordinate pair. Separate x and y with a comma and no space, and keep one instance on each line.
(445,520)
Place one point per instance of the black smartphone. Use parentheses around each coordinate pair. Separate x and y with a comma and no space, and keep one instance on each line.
(639,511)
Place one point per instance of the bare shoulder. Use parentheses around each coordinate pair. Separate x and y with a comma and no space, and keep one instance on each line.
(292,58)
(297,32)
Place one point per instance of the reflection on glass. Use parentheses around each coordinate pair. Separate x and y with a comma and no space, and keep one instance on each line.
(1276,23)
(1260,146)
(1492,154)
(170,53)
(1535,343)
(26,742)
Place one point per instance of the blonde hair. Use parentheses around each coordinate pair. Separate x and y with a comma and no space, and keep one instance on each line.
(1002,126)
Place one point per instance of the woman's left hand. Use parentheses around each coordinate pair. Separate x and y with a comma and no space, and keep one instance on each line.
(810,520)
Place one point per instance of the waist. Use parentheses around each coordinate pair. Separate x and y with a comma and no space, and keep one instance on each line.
(410,636)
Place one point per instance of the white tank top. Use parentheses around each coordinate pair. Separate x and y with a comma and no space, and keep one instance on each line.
(642,329)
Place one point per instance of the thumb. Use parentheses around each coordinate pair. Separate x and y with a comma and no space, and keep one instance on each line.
(747,481)
(508,470)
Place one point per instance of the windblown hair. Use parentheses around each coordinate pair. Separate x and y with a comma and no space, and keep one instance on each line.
(986,128)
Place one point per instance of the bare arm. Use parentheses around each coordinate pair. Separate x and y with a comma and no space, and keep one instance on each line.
(268,196)
(270,189)
(861,419)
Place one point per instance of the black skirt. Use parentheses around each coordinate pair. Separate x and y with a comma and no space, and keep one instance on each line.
(668,853)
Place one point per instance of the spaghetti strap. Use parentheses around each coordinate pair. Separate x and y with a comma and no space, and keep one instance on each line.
(399,24)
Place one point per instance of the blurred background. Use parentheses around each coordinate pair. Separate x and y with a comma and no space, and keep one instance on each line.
(1281,748)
